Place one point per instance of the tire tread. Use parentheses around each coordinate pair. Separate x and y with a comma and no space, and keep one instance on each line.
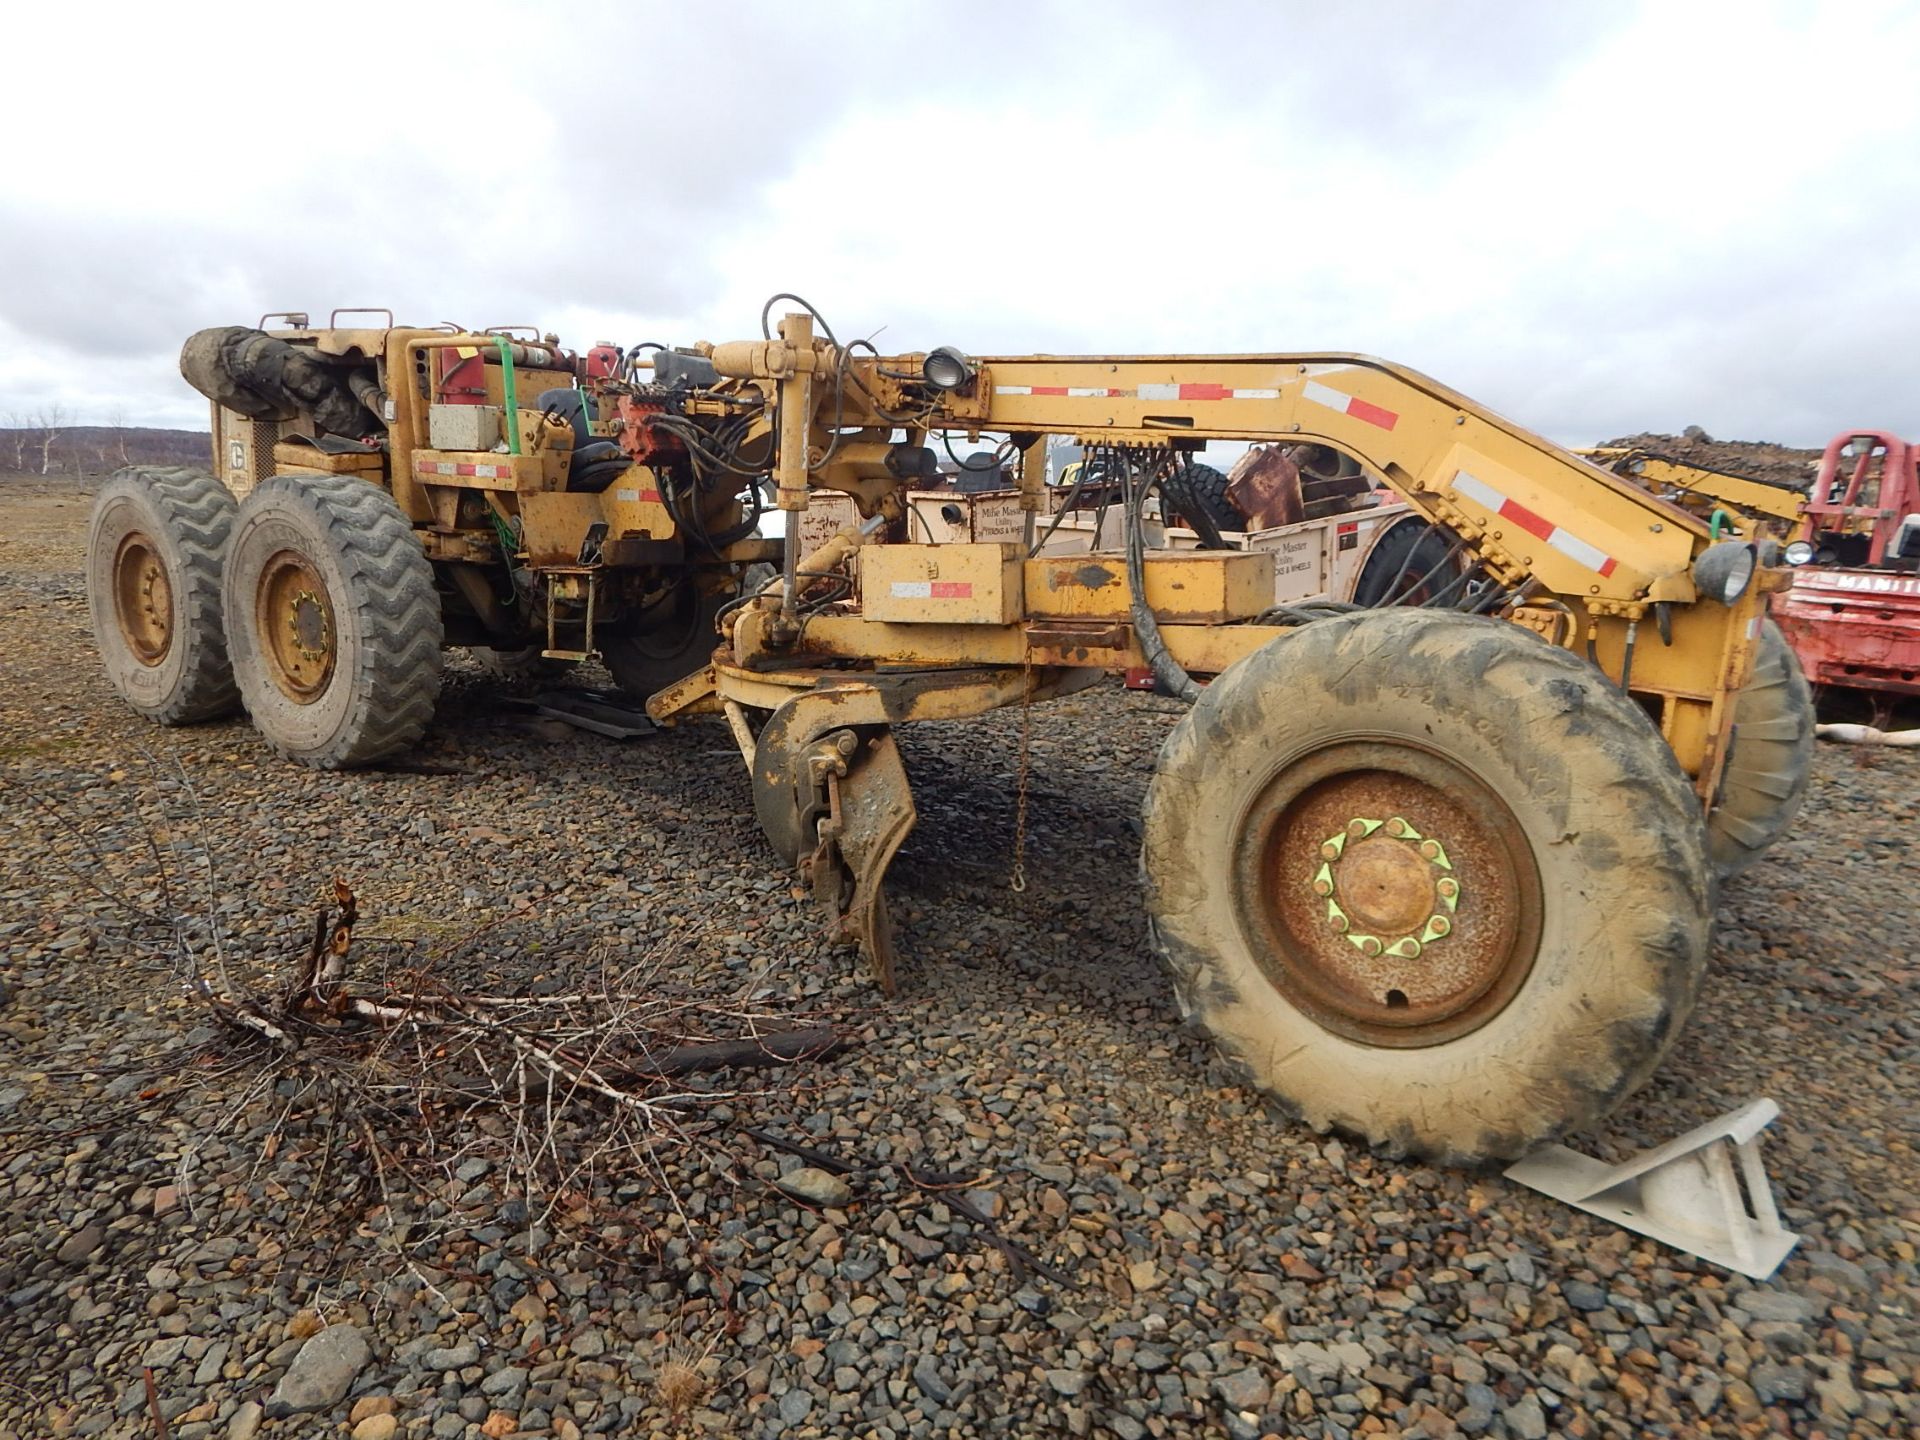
(396,606)
(1669,853)
(197,512)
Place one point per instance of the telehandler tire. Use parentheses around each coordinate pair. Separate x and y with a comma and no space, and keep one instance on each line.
(1411,564)
(333,620)
(1203,488)
(155,544)
(1429,880)
(1765,779)
(678,643)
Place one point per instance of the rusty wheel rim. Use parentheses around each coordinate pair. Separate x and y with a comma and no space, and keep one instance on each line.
(143,599)
(1389,893)
(294,619)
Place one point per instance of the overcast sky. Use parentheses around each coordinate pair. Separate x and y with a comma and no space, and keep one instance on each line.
(1596,218)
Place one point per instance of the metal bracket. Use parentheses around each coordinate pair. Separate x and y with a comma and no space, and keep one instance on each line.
(591,576)
(1684,1193)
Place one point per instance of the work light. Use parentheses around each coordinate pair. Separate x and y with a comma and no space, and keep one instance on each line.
(946,368)
(1724,571)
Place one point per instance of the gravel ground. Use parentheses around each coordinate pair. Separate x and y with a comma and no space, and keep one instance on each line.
(169,1205)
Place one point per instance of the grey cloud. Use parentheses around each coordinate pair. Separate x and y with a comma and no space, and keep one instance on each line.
(664,135)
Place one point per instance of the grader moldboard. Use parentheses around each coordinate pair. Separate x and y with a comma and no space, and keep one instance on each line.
(1438,875)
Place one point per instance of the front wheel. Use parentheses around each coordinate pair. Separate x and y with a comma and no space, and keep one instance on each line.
(1428,879)
(1767,770)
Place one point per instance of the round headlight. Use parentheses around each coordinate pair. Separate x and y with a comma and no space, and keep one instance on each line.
(946,368)
(1724,571)
(1800,552)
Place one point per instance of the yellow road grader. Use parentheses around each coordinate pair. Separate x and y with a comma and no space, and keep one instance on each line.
(1439,874)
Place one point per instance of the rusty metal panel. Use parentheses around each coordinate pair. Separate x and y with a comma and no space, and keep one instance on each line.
(288,456)
(243,449)
(633,508)
(1189,586)
(480,470)
(1265,487)
(554,524)
(941,584)
(826,515)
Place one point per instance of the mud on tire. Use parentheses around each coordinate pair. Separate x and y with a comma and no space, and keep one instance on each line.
(1575,847)
(334,624)
(155,544)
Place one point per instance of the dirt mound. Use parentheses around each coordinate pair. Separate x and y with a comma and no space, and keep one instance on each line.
(1753,459)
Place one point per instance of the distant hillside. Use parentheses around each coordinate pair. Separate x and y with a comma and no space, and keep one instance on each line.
(96,449)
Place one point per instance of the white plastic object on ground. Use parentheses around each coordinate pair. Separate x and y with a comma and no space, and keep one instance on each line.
(1868,735)
(1686,1193)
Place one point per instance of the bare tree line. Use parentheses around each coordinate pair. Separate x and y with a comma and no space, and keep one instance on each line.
(52,440)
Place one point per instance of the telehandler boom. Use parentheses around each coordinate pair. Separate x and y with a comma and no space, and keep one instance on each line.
(1437,874)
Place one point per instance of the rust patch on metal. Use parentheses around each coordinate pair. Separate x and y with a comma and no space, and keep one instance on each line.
(1264,485)
(1403,931)
(1082,577)
(143,598)
(1068,634)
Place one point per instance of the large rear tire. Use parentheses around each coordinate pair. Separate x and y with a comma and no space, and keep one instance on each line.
(1766,774)
(333,620)
(1428,879)
(155,544)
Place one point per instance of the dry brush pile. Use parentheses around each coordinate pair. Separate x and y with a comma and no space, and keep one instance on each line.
(567,1089)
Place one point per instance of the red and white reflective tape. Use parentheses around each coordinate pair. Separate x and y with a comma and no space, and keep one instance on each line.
(1507,508)
(630,495)
(1141,392)
(1349,404)
(1205,392)
(448,467)
(933,589)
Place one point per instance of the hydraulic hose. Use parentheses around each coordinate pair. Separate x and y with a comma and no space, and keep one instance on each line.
(509,392)
(1167,671)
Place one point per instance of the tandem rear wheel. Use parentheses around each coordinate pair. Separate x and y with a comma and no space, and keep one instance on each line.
(333,622)
(155,543)
(1427,879)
